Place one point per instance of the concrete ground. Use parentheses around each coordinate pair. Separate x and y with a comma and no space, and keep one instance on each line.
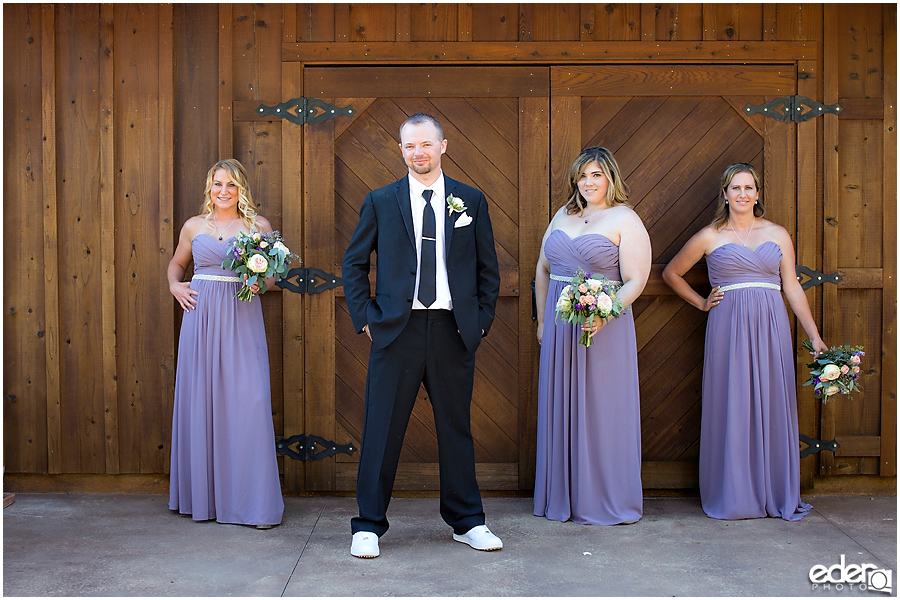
(132,545)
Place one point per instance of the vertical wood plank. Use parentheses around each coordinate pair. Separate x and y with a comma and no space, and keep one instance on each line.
(108,238)
(648,22)
(24,342)
(710,24)
(464,22)
(319,249)
(315,22)
(342,22)
(587,23)
(770,24)
(51,254)
(831,184)
(289,22)
(807,195)
(888,466)
(293,305)
(534,214)
(526,22)
(226,83)
(166,140)
(402,28)
(565,144)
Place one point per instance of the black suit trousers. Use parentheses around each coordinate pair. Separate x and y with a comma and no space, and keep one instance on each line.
(428,350)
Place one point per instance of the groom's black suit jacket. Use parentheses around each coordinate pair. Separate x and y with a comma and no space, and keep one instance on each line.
(386,227)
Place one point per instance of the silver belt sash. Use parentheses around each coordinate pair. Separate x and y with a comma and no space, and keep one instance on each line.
(229,278)
(569,279)
(750,284)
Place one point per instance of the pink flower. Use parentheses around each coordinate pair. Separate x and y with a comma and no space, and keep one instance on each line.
(831,372)
(823,379)
(855,359)
(855,370)
(831,390)
(845,369)
(258,263)
(588,299)
(583,288)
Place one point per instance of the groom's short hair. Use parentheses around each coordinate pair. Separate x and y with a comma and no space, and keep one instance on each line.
(418,118)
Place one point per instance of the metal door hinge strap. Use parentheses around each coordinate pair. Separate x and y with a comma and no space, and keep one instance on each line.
(814,446)
(790,108)
(305,281)
(306,110)
(815,277)
(306,447)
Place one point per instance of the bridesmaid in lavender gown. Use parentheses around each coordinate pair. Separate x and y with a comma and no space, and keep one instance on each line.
(589,417)
(749,442)
(223,440)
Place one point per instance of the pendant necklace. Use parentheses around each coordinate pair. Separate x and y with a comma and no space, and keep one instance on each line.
(216,223)
(592,216)
(743,243)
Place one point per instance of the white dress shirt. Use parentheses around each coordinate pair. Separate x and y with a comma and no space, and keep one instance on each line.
(439,205)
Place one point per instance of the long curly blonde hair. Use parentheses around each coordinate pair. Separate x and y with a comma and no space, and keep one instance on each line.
(616,193)
(238,175)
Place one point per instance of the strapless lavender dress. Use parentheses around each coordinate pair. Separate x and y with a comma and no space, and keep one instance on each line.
(749,443)
(223,439)
(589,419)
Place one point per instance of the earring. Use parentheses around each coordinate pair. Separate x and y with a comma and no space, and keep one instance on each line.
(726,202)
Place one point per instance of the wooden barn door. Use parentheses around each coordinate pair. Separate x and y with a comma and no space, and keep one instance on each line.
(673,130)
(497,124)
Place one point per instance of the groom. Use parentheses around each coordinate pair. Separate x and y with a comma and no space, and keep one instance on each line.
(435,292)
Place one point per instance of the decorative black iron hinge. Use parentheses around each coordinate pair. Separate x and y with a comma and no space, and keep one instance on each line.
(814,446)
(790,108)
(309,110)
(815,277)
(302,280)
(306,447)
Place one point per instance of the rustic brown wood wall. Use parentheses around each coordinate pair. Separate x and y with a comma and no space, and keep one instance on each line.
(112,114)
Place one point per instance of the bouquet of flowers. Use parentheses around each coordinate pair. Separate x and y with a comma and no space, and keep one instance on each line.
(586,298)
(835,370)
(258,255)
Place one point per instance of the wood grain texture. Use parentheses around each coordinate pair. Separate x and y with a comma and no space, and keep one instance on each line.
(543,52)
(25,354)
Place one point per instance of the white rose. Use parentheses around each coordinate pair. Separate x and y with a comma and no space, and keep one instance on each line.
(604,302)
(258,263)
(281,247)
(563,304)
(831,372)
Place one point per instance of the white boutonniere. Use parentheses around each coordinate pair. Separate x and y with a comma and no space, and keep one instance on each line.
(455,204)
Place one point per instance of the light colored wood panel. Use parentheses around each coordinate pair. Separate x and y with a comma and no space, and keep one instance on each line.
(371,22)
(108,243)
(24,353)
(318,249)
(78,238)
(542,52)
(50,228)
(293,305)
(534,214)
(860,209)
(565,144)
(831,193)
(144,423)
(860,278)
(657,80)
(860,50)
(807,153)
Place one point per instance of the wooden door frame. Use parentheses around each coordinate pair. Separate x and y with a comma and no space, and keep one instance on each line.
(802,57)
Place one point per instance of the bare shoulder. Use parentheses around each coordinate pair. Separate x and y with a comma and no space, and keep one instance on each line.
(626,216)
(195,226)
(264,224)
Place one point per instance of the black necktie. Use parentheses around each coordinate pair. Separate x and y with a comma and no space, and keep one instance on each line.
(428,264)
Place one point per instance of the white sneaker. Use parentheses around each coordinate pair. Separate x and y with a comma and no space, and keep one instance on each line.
(480,538)
(365,545)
